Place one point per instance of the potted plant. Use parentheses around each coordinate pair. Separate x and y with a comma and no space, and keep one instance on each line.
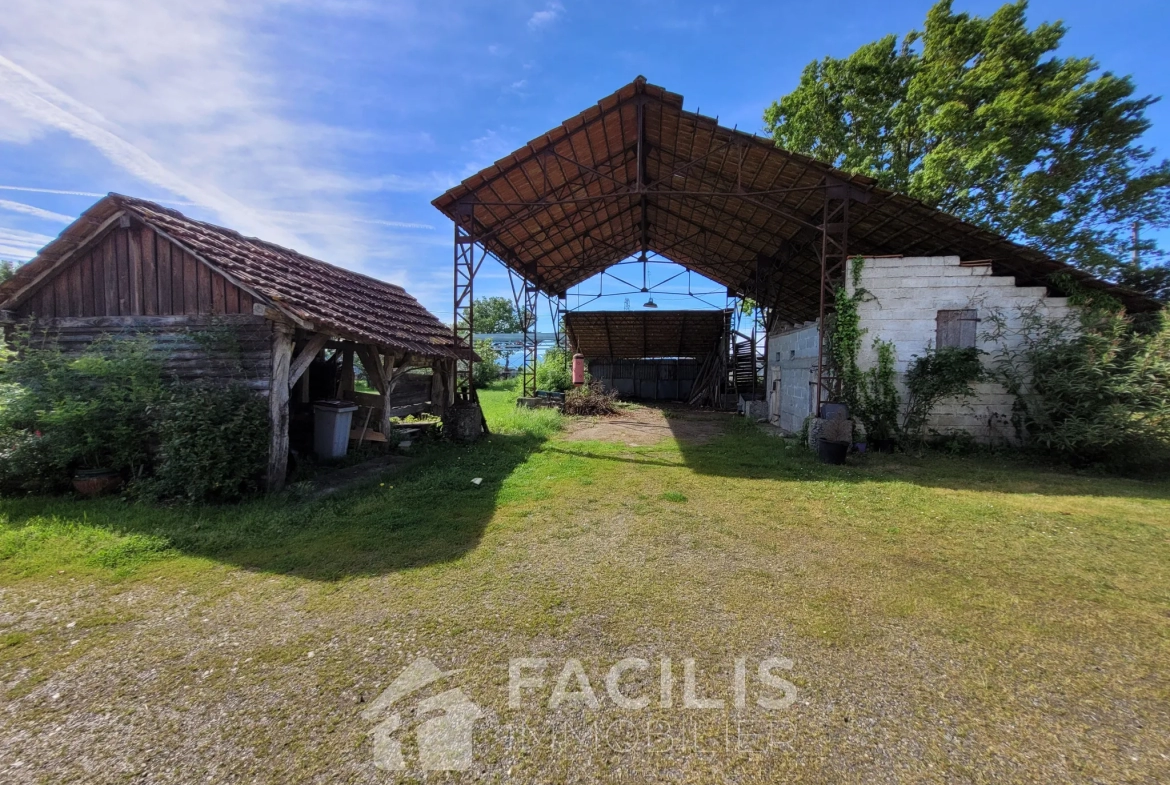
(835,433)
(96,481)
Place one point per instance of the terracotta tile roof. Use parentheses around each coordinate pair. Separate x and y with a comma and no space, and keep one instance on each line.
(333,300)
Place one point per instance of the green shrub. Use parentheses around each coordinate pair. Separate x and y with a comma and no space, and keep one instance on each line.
(933,377)
(107,407)
(554,373)
(60,412)
(32,462)
(1089,390)
(213,444)
(878,402)
(487,370)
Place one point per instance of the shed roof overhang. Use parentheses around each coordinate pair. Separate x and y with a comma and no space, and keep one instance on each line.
(636,173)
(646,334)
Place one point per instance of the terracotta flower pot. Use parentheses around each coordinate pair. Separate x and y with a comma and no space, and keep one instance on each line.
(94,482)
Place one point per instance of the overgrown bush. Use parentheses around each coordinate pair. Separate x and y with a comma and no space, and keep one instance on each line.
(878,402)
(591,399)
(213,444)
(934,376)
(554,372)
(1089,389)
(108,407)
(59,413)
(487,370)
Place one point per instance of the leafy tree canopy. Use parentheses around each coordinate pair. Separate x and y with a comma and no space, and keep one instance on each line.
(496,315)
(978,117)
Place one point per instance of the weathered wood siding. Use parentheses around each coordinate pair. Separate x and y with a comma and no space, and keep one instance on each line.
(412,393)
(217,349)
(133,271)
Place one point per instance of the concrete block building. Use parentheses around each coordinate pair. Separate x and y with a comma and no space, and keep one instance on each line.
(916,302)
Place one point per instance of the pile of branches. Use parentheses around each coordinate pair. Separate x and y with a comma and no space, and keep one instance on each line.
(591,399)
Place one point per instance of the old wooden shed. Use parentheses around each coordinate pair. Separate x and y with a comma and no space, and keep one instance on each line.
(131,267)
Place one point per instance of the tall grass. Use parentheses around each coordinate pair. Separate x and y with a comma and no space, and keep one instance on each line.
(504,417)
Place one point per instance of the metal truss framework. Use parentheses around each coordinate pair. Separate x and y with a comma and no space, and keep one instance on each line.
(530,298)
(464,312)
(834,257)
(768,280)
(636,172)
(828,233)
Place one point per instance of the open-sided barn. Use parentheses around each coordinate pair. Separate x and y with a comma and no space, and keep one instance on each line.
(637,175)
(294,324)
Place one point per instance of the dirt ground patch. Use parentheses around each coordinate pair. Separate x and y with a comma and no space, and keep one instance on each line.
(642,426)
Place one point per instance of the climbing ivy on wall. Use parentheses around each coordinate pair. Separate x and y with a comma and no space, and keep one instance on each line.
(871,395)
(843,334)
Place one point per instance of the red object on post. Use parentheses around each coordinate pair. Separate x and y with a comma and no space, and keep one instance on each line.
(578,370)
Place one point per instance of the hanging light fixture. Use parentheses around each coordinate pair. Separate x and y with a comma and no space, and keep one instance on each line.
(650,303)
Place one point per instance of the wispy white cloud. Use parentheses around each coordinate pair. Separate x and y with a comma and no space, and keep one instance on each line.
(37,100)
(57,191)
(20,245)
(179,96)
(552,11)
(36,212)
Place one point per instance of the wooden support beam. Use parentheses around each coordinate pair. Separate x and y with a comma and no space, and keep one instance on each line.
(306,357)
(388,381)
(368,356)
(438,388)
(282,346)
(345,373)
(394,366)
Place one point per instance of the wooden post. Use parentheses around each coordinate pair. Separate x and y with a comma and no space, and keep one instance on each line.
(449,381)
(438,388)
(387,389)
(345,382)
(282,347)
(309,353)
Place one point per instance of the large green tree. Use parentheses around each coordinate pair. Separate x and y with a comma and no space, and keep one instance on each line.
(496,315)
(979,117)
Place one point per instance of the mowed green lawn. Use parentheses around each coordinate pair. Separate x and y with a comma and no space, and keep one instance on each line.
(945,619)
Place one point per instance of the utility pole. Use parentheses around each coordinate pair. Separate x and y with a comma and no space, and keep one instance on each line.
(1137,258)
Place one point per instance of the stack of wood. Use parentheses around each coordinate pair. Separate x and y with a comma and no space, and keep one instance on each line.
(712,373)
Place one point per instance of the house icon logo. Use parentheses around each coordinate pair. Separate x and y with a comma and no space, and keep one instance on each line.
(444,739)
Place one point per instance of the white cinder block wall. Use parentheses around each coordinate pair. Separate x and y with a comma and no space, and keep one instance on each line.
(792,356)
(907,294)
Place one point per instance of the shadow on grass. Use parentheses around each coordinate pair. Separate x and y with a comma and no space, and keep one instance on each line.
(426,513)
(574,452)
(746,451)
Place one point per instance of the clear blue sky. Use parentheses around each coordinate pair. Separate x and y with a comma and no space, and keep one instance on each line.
(329,125)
